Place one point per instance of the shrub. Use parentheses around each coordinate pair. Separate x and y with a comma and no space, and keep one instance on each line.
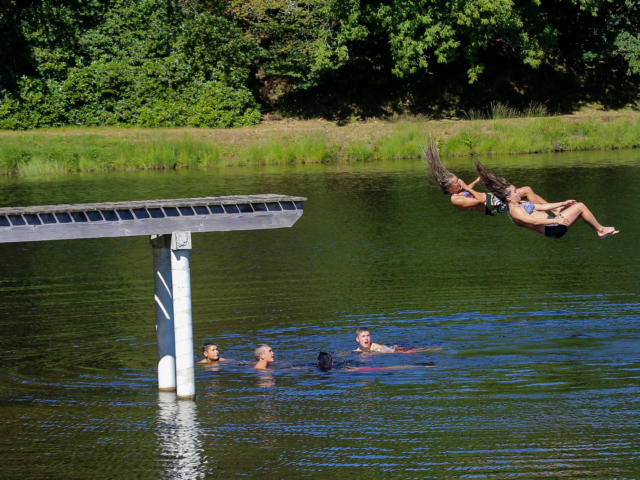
(119,93)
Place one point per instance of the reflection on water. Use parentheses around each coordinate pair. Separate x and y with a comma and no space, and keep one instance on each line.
(537,376)
(180,438)
(265,380)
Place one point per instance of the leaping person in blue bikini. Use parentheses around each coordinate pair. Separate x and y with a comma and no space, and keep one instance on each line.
(536,216)
(462,195)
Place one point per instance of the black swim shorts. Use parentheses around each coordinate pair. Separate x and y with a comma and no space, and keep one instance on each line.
(555,230)
(493,206)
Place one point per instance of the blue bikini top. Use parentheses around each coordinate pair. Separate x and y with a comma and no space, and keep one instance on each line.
(529,207)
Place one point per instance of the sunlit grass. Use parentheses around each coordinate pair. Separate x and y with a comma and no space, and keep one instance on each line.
(498,111)
(61,151)
(539,135)
(282,151)
(39,167)
(312,149)
(404,142)
(359,151)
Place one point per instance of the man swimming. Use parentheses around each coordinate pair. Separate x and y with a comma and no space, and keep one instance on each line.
(264,356)
(363,338)
(325,361)
(211,354)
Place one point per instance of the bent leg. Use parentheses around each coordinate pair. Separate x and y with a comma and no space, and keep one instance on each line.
(570,214)
(530,195)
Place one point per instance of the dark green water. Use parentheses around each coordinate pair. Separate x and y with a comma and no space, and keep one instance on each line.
(538,377)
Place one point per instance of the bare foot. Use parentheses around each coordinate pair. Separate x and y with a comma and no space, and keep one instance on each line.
(607,232)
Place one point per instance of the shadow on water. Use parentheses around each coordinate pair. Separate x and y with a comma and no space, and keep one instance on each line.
(536,376)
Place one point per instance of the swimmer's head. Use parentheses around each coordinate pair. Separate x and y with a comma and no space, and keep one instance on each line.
(452,185)
(363,338)
(210,352)
(325,362)
(513,195)
(264,352)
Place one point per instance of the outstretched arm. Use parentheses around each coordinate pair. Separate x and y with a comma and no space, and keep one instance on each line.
(474,183)
(382,348)
(465,202)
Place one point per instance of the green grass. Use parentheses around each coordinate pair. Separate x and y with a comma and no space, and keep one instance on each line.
(61,151)
(498,111)
(539,135)
(286,150)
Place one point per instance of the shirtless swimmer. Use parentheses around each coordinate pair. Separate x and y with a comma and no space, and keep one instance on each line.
(363,338)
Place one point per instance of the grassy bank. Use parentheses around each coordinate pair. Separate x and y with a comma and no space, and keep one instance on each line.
(59,151)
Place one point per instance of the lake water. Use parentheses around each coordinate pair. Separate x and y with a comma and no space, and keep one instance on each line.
(538,375)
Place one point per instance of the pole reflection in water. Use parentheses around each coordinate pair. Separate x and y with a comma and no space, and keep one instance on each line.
(180,438)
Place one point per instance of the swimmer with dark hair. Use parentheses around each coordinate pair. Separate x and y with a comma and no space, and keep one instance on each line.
(211,354)
(325,361)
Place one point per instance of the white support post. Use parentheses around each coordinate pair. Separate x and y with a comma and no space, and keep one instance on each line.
(180,272)
(164,312)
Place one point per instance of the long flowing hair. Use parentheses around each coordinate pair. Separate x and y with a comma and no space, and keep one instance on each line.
(497,185)
(439,172)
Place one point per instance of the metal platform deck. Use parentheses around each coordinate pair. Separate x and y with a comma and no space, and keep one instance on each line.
(151,217)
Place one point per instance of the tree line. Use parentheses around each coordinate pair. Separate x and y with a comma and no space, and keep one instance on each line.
(224,63)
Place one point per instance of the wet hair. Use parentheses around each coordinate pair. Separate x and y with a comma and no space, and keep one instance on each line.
(442,176)
(259,350)
(207,345)
(325,361)
(360,330)
(497,185)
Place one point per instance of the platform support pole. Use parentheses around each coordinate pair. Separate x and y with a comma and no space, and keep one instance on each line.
(180,273)
(165,336)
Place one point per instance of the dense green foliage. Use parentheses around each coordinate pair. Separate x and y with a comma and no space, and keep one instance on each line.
(214,62)
(146,63)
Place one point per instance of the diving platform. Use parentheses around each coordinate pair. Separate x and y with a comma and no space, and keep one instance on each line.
(151,217)
(169,224)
